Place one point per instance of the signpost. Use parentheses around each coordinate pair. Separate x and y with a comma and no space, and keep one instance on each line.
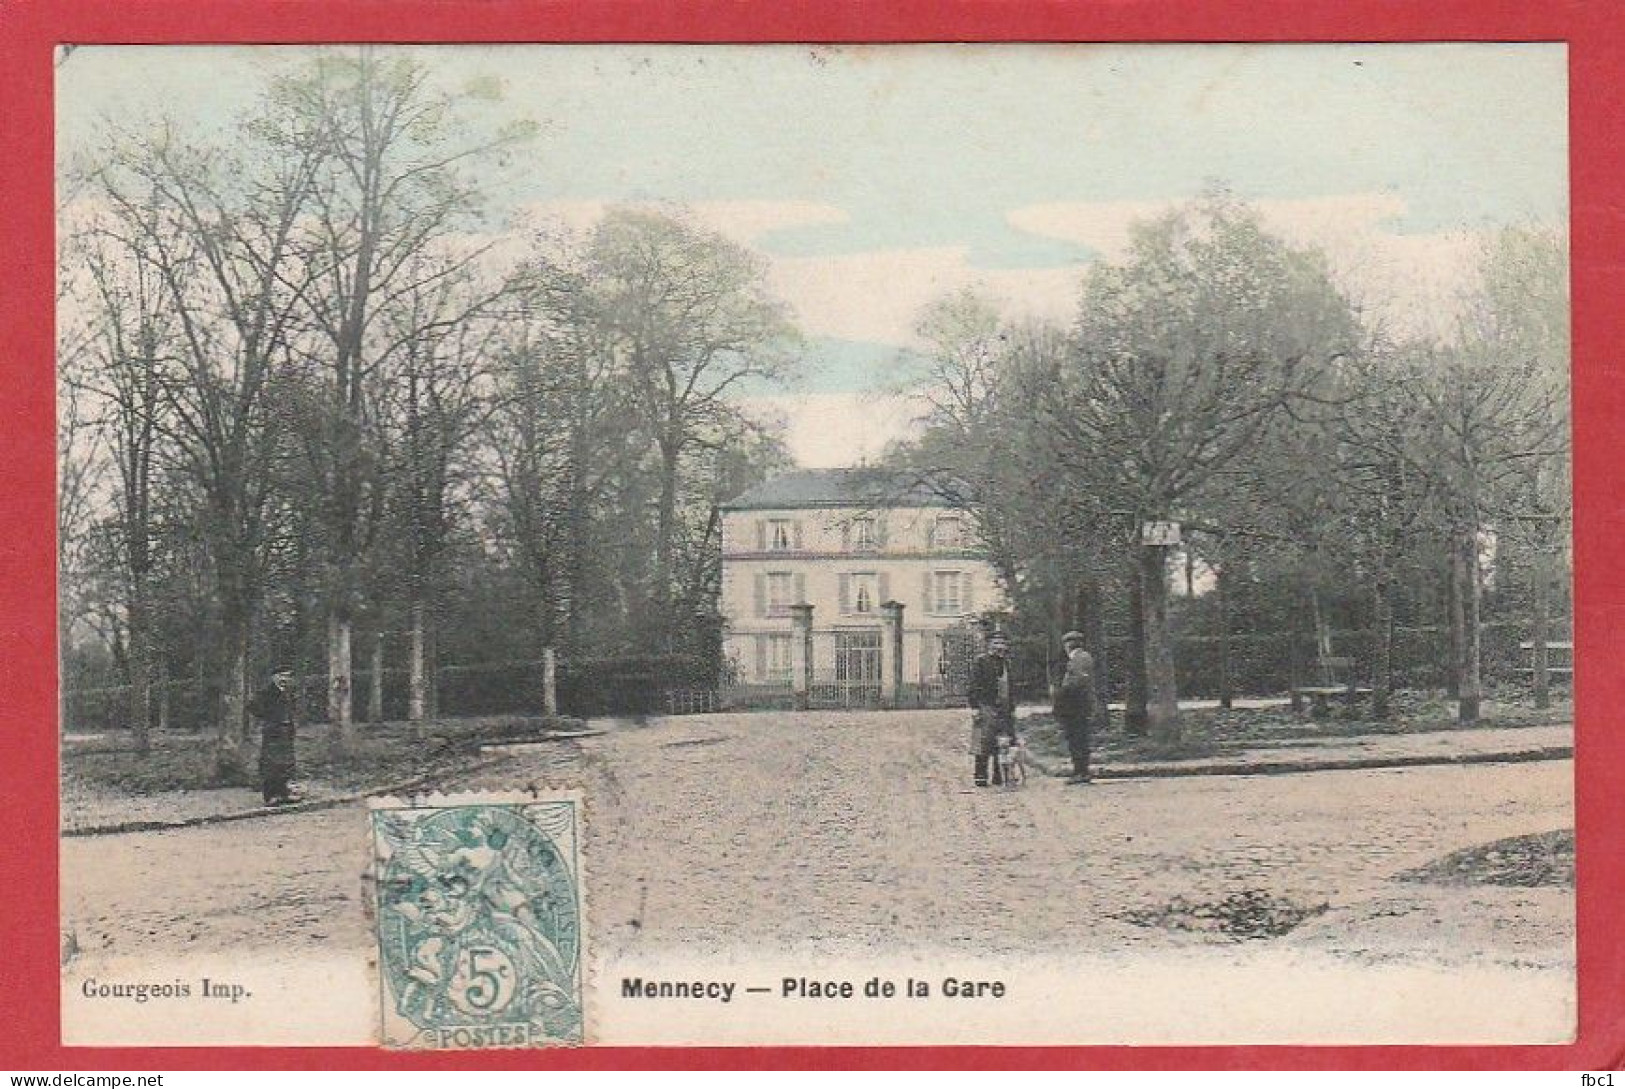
(1159,533)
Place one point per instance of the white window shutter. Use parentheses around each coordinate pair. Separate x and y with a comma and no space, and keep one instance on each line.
(801,589)
(761,535)
(928,606)
(846,594)
(881,526)
(967,592)
(930,534)
(885,587)
(797,542)
(846,536)
(761,593)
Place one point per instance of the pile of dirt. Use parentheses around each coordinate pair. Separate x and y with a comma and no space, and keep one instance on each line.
(1545,860)
(1250,913)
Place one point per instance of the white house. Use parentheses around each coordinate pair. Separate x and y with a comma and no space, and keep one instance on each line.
(863,552)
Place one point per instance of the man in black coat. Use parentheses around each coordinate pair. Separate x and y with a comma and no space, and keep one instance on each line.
(274,706)
(1075,703)
(993,706)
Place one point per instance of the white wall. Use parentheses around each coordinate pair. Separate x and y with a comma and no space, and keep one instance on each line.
(906,554)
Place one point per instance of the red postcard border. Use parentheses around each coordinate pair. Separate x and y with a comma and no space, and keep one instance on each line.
(29,1002)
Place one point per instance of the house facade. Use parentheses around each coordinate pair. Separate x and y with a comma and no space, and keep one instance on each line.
(892,575)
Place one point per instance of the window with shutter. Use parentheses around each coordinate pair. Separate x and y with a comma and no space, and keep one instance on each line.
(861,592)
(761,535)
(761,594)
(781,587)
(796,536)
(846,594)
(801,590)
(885,587)
(927,606)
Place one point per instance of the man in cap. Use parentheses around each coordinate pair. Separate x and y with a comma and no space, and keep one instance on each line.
(993,707)
(1075,703)
(274,706)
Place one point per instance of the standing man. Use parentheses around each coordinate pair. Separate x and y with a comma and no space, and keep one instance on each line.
(274,707)
(1075,704)
(993,706)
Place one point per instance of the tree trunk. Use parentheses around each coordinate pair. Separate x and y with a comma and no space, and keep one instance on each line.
(1162,692)
(162,676)
(1135,714)
(140,666)
(417,696)
(232,743)
(1382,679)
(1453,616)
(1323,633)
(431,668)
(1221,591)
(665,545)
(375,687)
(1294,658)
(1094,629)
(550,684)
(1541,657)
(339,710)
(1469,596)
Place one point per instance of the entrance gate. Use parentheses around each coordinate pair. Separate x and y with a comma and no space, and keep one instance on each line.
(856,682)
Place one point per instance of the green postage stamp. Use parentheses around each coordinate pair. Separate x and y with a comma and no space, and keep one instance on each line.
(479,916)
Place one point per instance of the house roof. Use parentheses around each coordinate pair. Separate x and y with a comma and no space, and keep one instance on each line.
(811,488)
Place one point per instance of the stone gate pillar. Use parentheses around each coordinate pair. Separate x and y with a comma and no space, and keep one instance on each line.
(801,653)
(891,654)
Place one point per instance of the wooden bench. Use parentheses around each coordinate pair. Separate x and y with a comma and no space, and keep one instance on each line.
(1320,696)
(1559,659)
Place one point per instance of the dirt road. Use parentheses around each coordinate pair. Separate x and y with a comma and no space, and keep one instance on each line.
(830,833)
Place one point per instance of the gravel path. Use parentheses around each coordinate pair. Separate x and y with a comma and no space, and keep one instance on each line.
(831,833)
(822,840)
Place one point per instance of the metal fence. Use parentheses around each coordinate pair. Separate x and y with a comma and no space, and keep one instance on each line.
(846,675)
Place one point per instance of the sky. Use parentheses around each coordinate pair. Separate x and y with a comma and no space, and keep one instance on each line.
(875,179)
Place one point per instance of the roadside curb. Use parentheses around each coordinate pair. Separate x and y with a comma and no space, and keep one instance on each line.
(1354,763)
(314,805)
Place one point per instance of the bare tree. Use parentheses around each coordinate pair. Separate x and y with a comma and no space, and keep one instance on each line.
(132,337)
(1497,415)
(214,232)
(437,394)
(688,318)
(394,181)
(1185,355)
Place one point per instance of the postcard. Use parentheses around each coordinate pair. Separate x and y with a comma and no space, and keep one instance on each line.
(590,545)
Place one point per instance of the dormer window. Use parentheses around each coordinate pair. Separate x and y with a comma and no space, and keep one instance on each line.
(779,535)
(863,535)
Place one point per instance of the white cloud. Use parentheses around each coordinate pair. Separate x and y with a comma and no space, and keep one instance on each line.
(744,221)
(878,296)
(831,430)
(1413,282)
(870,296)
